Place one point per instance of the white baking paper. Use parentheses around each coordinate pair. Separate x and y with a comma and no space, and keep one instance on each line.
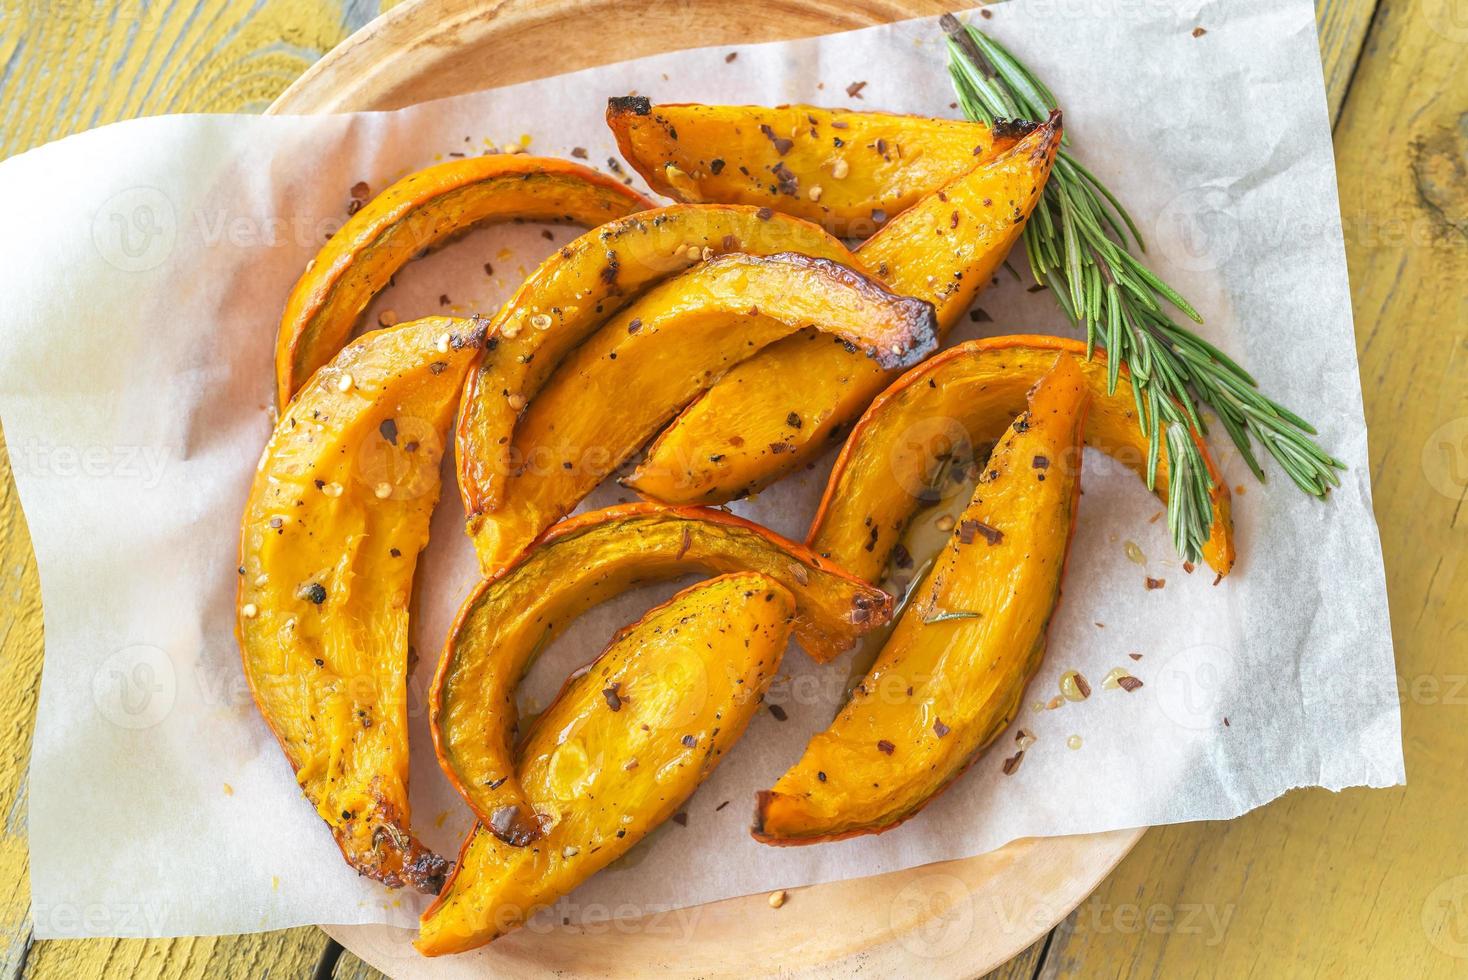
(145,268)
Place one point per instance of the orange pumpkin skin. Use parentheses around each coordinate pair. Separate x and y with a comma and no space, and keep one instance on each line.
(420,212)
(951,675)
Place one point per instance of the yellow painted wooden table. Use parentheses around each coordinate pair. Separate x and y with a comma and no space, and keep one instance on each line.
(1359,883)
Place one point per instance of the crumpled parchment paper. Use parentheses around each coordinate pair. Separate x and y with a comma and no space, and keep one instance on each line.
(147,264)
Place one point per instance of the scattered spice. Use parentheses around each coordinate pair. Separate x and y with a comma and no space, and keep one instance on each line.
(1011,764)
(939,728)
(614,699)
(1135,656)
(730,56)
(690,740)
(886,747)
(360,191)
(579,152)
(853,91)
(1199,31)
(681,818)
(1134,553)
(778,712)
(389,430)
(777,899)
(1129,683)
(387,318)
(1155,583)
(782,144)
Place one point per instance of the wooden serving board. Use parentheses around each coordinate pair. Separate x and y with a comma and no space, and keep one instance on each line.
(954,919)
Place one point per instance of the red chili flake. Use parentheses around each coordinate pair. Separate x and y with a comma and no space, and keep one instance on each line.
(1128,683)
(1155,583)
(1188,567)
(443,299)
(1199,31)
(1040,463)
(939,728)
(685,544)
(353,207)
(953,220)
(614,700)
(764,214)
(901,557)
(986,14)
(389,430)
(777,711)
(1135,656)
(1012,763)
(782,144)
(730,56)
(360,191)
(853,91)
(779,447)
(886,747)
(579,152)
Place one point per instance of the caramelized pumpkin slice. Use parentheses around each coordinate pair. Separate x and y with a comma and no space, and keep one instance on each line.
(848,171)
(950,677)
(617,389)
(583,562)
(944,249)
(576,290)
(337,515)
(419,212)
(970,392)
(620,750)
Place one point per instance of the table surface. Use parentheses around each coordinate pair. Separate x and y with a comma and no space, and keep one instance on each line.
(1313,884)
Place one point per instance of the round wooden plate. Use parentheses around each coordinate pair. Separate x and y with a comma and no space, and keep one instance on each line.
(954,919)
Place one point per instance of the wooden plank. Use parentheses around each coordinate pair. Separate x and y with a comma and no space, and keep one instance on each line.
(1364,883)
(1342,25)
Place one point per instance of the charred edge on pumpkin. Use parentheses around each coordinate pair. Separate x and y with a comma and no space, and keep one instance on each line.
(919,314)
(636,105)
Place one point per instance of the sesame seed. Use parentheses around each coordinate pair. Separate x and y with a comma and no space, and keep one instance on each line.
(570,852)
(510,330)
(777,899)
(387,318)
(383,491)
(332,489)
(443,344)
(814,192)
(516,400)
(707,253)
(541,321)
(249,610)
(261,579)
(840,168)
(344,383)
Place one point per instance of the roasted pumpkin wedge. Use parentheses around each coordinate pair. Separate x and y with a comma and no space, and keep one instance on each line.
(662,351)
(950,677)
(944,249)
(585,561)
(848,171)
(620,750)
(419,212)
(969,393)
(576,290)
(335,520)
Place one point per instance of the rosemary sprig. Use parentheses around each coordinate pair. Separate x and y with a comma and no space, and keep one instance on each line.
(1077,244)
